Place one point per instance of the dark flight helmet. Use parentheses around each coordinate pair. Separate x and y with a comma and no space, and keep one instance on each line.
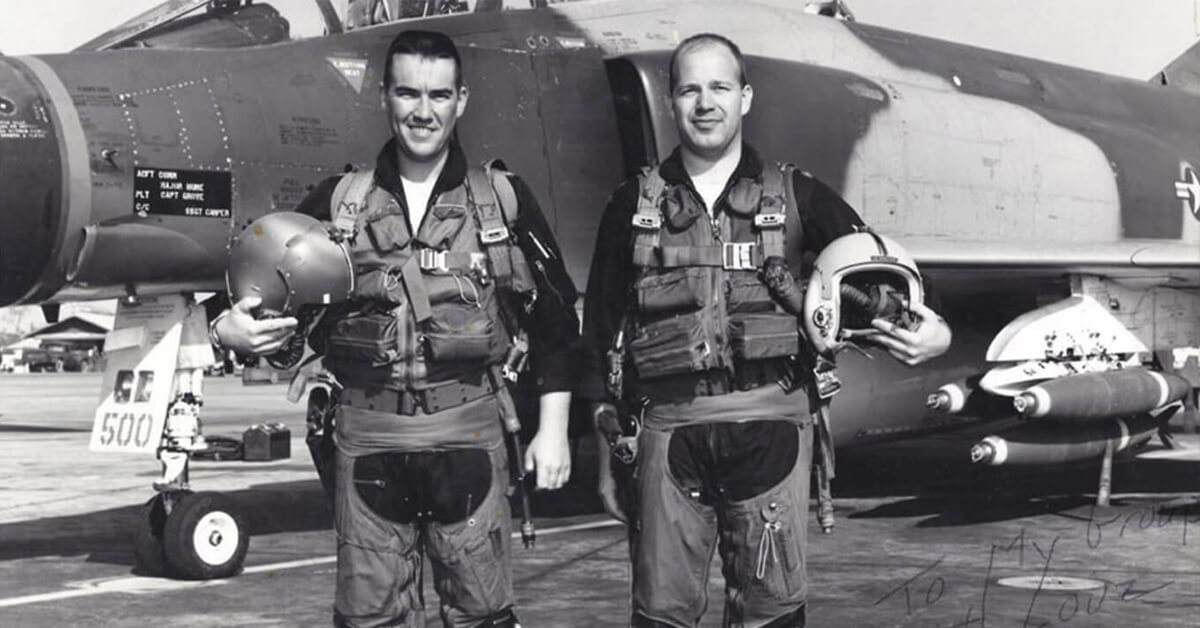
(290,260)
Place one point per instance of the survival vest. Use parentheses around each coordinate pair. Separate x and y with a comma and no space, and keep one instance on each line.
(699,302)
(431,308)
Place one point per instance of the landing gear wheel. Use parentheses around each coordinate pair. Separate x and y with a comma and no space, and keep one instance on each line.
(205,537)
(149,559)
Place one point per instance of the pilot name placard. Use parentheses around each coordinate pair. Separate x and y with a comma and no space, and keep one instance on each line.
(174,192)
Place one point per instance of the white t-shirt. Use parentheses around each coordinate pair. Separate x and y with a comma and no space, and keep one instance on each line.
(417,193)
(711,182)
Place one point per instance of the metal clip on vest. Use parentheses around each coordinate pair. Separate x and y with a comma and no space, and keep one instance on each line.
(616,367)
(515,359)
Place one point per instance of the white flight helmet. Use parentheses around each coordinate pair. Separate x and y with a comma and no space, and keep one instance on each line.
(857,278)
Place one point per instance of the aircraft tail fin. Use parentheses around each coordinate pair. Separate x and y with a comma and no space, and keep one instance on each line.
(1182,73)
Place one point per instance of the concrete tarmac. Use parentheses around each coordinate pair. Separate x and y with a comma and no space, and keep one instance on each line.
(923,538)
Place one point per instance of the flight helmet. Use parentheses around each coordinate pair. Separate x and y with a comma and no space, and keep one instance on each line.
(290,260)
(857,278)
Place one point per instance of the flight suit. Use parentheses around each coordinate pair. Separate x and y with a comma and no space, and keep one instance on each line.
(725,447)
(421,468)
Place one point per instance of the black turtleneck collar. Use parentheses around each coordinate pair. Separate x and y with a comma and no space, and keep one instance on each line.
(750,166)
(387,171)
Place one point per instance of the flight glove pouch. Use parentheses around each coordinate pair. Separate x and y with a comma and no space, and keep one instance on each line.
(671,346)
(764,335)
(371,338)
(680,290)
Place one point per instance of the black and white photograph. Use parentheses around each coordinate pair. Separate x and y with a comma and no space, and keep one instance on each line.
(599,313)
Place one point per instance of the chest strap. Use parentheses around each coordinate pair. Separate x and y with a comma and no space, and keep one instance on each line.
(769,220)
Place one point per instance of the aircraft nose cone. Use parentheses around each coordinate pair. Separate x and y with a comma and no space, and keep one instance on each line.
(30,183)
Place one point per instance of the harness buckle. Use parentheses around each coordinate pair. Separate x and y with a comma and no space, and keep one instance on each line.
(493,235)
(738,256)
(647,221)
(769,221)
(432,260)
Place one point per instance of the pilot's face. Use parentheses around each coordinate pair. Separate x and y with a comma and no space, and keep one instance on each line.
(709,100)
(423,104)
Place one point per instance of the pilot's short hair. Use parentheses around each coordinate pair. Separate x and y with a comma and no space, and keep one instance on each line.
(706,39)
(426,44)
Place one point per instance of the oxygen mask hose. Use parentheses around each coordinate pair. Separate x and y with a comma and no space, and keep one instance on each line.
(289,355)
(782,285)
(879,301)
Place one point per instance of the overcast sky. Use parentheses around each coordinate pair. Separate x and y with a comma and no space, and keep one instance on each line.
(1128,37)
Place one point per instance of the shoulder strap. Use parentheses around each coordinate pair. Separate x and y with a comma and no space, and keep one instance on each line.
(772,211)
(503,188)
(495,208)
(647,220)
(350,199)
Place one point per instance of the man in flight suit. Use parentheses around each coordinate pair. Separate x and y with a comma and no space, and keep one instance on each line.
(713,361)
(448,277)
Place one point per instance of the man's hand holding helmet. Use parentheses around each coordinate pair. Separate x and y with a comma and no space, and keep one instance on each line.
(927,338)
(237,329)
(281,267)
(866,287)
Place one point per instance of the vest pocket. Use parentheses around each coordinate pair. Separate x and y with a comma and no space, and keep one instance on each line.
(387,232)
(458,332)
(764,335)
(675,291)
(747,293)
(671,346)
(371,338)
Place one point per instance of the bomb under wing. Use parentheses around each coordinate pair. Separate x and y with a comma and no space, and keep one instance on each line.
(1090,396)
(1050,442)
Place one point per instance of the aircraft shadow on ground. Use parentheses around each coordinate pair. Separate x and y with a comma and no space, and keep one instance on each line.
(960,494)
(106,536)
(944,490)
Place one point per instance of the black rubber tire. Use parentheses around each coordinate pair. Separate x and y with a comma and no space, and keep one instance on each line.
(205,537)
(148,556)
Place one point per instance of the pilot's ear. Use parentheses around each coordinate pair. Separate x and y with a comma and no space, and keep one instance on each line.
(747,98)
(463,93)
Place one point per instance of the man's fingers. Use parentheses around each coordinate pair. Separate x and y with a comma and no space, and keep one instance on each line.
(529,466)
(924,310)
(271,325)
(247,304)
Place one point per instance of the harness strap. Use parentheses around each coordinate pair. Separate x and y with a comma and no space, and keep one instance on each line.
(647,220)
(437,262)
(825,466)
(728,255)
(494,235)
(414,287)
(769,220)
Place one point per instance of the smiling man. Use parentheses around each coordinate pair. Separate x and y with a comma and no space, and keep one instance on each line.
(452,281)
(686,334)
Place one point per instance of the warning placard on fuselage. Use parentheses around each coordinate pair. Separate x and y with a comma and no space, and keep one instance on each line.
(174,192)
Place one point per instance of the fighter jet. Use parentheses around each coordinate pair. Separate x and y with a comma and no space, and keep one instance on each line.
(1054,212)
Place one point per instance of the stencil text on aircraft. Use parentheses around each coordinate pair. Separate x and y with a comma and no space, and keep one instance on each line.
(195,193)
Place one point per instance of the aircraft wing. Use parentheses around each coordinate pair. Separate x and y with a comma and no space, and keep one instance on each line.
(1172,263)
